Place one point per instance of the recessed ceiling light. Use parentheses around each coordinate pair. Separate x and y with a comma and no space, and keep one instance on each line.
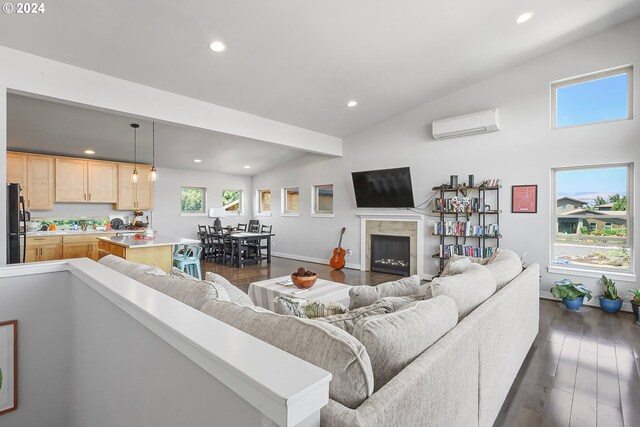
(246,166)
(352,103)
(524,17)
(197,161)
(89,152)
(218,46)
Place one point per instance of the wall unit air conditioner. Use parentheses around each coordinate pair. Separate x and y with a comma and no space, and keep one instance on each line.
(469,124)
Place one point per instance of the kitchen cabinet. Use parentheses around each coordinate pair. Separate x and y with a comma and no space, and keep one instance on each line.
(82,181)
(81,246)
(17,169)
(134,196)
(43,248)
(35,174)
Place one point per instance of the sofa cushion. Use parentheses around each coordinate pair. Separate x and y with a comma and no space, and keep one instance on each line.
(348,320)
(361,296)
(307,308)
(446,271)
(130,269)
(235,294)
(398,302)
(505,267)
(316,342)
(394,340)
(221,292)
(468,290)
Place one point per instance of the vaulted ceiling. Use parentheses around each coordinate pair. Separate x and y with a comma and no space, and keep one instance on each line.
(299,62)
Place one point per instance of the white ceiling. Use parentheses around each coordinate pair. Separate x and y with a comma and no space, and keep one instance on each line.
(43,126)
(299,62)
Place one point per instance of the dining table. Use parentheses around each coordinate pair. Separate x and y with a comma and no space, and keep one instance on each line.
(238,237)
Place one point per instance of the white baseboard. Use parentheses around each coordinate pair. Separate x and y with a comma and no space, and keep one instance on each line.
(312,259)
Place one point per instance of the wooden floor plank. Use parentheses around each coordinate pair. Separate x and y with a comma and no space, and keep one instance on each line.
(609,416)
(559,411)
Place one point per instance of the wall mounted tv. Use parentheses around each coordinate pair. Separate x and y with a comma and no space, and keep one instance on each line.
(384,188)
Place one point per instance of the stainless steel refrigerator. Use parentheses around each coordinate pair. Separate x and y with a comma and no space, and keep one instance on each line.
(16,225)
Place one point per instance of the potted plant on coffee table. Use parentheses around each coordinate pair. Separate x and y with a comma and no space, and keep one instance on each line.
(572,294)
(610,302)
(635,303)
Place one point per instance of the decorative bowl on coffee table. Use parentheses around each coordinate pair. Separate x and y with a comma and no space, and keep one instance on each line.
(304,282)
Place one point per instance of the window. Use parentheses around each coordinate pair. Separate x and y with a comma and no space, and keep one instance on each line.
(589,238)
(232,201)
(595,98)
(264,202)
(322,200)
(193,201)
(290,199)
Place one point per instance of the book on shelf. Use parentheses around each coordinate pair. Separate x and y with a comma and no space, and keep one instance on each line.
(459,204)
(465,228)
(446,251)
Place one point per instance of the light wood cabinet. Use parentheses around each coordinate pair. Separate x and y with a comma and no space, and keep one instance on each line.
(71,180)
(86,181)
(43,249)
(134,196)
(17,169)
(35,175)
(81,246)
(40,189)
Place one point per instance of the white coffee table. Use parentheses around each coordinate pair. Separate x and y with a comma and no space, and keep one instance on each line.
(262,293)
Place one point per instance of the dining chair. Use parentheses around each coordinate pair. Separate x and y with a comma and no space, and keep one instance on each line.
(202,235)
(241,227)
(254,226)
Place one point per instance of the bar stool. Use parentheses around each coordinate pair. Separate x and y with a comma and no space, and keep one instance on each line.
(187,259)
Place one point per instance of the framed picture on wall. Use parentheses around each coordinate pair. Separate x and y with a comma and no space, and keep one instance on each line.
(8,366)
(524,198)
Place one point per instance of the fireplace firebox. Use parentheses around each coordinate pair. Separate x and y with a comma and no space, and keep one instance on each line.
(391,254)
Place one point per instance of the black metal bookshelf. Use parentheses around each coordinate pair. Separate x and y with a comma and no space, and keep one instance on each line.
(457,216)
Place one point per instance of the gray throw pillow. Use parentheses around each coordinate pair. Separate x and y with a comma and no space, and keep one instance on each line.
(360,296)
(235,294)
(348,320)
(505,267)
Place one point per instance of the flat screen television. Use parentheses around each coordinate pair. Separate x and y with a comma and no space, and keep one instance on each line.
(384,188)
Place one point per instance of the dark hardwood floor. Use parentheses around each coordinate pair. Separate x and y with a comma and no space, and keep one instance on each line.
(582,370)
(242,277)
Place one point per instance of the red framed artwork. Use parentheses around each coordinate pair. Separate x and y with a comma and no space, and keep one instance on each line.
(524,198)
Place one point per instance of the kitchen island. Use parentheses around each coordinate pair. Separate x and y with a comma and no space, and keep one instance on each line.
(157,252)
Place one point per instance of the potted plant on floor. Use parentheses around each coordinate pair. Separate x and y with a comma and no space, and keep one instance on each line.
(635,303)
(610,302)
(572,294)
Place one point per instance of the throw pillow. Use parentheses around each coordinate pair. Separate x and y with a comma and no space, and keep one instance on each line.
(361,296)
(505,267)
(235,294)
(468,290)
(220,291)
(459,266)
(308,308)
(289,306)
(396,339)
(348,320)
(176,272)
(446,271)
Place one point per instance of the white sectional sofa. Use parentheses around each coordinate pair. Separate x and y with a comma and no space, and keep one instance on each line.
(449,360)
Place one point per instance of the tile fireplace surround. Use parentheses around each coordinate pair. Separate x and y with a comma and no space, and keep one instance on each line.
(393,225)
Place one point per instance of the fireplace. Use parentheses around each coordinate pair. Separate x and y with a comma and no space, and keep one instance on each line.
(391,254)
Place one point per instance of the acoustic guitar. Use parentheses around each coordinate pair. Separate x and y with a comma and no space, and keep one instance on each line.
(337,260)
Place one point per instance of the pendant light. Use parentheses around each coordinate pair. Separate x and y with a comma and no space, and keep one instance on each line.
(153,175)
(134,177)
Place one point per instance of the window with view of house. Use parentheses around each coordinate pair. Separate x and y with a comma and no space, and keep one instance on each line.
(232,201)
(594,98)
(322,200)
(264,202)
(290,200)
(193,201)
(592,219)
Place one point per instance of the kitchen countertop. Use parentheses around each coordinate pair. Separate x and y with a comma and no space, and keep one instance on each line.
(159,240)
(78,232)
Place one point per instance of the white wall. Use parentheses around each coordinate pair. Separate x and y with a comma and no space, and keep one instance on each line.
(166,211)
(522,153)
